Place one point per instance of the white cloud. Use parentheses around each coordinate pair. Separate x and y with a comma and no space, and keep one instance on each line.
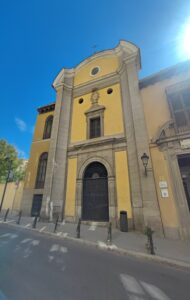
(21,124)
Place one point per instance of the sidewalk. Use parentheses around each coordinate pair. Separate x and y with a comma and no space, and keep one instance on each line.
(130,241)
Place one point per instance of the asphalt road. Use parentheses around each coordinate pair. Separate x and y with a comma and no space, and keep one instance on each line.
(34,266)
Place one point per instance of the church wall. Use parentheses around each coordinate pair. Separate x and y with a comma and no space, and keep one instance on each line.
(113,118)
(70,203)
(122,183)
(106,64)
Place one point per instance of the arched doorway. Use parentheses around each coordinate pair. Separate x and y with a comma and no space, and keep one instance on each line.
(95,193)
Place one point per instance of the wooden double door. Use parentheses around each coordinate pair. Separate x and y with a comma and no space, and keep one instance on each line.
(95,204)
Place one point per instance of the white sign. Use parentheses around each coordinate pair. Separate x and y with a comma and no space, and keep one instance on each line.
(185,143)
(164,193)
(163,184)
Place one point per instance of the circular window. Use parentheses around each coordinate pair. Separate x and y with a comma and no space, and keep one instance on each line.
(81,100)
(109,91)
(95,70)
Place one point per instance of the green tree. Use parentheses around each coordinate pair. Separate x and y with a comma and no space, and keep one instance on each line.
(13,162)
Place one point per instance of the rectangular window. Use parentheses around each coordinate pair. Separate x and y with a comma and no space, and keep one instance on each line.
(95,130)
(180,106)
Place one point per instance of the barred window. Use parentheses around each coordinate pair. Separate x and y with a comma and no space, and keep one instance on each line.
(95,130)
(48,127)
(180,106)
(41,174)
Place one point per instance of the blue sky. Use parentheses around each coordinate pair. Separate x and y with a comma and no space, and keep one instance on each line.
(38,38)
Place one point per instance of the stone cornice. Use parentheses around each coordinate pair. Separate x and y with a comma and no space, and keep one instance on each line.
(46,108)
(92,143)
(95,108)
(168,133)
(125,48)
(64,79)
(177,137)
(104,82)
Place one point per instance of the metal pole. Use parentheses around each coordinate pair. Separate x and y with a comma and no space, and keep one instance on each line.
(7,179)
(145,170)
(56,224)
(78,229)
(109,238)
(35,221)
(150,242)
(19,217)
(6,214)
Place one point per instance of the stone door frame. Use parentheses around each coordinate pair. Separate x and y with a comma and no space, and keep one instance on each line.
(111,187)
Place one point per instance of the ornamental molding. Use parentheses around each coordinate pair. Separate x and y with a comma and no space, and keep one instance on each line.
(127,53)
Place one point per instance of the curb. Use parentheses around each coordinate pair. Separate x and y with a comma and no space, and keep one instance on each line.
(116,250)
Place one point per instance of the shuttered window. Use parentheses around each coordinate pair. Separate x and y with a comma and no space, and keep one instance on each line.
(180,106)
(95,130)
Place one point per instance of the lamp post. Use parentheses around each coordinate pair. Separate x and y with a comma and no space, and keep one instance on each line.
(8,159)
(145,159)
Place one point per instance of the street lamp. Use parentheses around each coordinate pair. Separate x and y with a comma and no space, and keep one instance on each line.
(9,161)
(145,159)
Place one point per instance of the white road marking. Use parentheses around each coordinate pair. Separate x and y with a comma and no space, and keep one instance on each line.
(154,292)
(131,285)
(54,247)
(25,241)
(10,221)
(63,250)
(42,229)
(28,225)
(13,236)
(5,235)
(35,242)
(139,290)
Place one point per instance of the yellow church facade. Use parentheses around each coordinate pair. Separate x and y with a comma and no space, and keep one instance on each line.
(87,150)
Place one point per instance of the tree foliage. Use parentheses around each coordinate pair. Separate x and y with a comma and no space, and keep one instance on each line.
(13,163)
